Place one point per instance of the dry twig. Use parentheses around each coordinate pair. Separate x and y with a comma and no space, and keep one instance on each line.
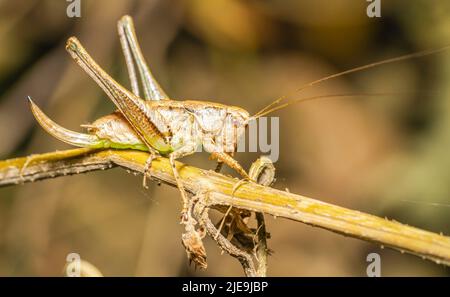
(249,196)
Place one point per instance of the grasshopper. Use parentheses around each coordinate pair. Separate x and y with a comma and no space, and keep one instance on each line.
(158,125)
(166,127)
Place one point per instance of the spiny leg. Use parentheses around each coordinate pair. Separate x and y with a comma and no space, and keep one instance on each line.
(133,54)
(128,58)
(133,108)
(231,162)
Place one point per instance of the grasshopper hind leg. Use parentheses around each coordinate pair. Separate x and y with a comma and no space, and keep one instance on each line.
(133,56)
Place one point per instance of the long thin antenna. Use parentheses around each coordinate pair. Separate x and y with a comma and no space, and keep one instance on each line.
(353,70)
(330,96)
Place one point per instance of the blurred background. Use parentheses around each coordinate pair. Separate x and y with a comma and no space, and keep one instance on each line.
(385,155)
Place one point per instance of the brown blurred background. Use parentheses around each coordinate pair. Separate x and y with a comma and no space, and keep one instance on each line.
(384,155)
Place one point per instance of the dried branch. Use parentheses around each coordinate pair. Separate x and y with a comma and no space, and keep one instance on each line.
(262,251)
(249,196)
(201,212)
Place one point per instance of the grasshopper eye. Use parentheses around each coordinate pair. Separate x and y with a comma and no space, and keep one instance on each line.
(240,119)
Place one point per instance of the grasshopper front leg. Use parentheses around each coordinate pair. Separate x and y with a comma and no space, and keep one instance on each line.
(223,157)
(232,163)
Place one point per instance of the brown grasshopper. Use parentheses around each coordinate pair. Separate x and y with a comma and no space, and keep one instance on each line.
(158,125)
(166,127)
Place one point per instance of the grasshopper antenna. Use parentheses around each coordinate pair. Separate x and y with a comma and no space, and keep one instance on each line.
(330,96)
(267,108)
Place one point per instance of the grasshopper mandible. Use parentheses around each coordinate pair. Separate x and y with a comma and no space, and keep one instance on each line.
(162,126)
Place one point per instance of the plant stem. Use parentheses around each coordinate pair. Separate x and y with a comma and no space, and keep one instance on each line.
(249,196)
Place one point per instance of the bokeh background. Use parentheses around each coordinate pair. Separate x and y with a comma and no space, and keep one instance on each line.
(386,155)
